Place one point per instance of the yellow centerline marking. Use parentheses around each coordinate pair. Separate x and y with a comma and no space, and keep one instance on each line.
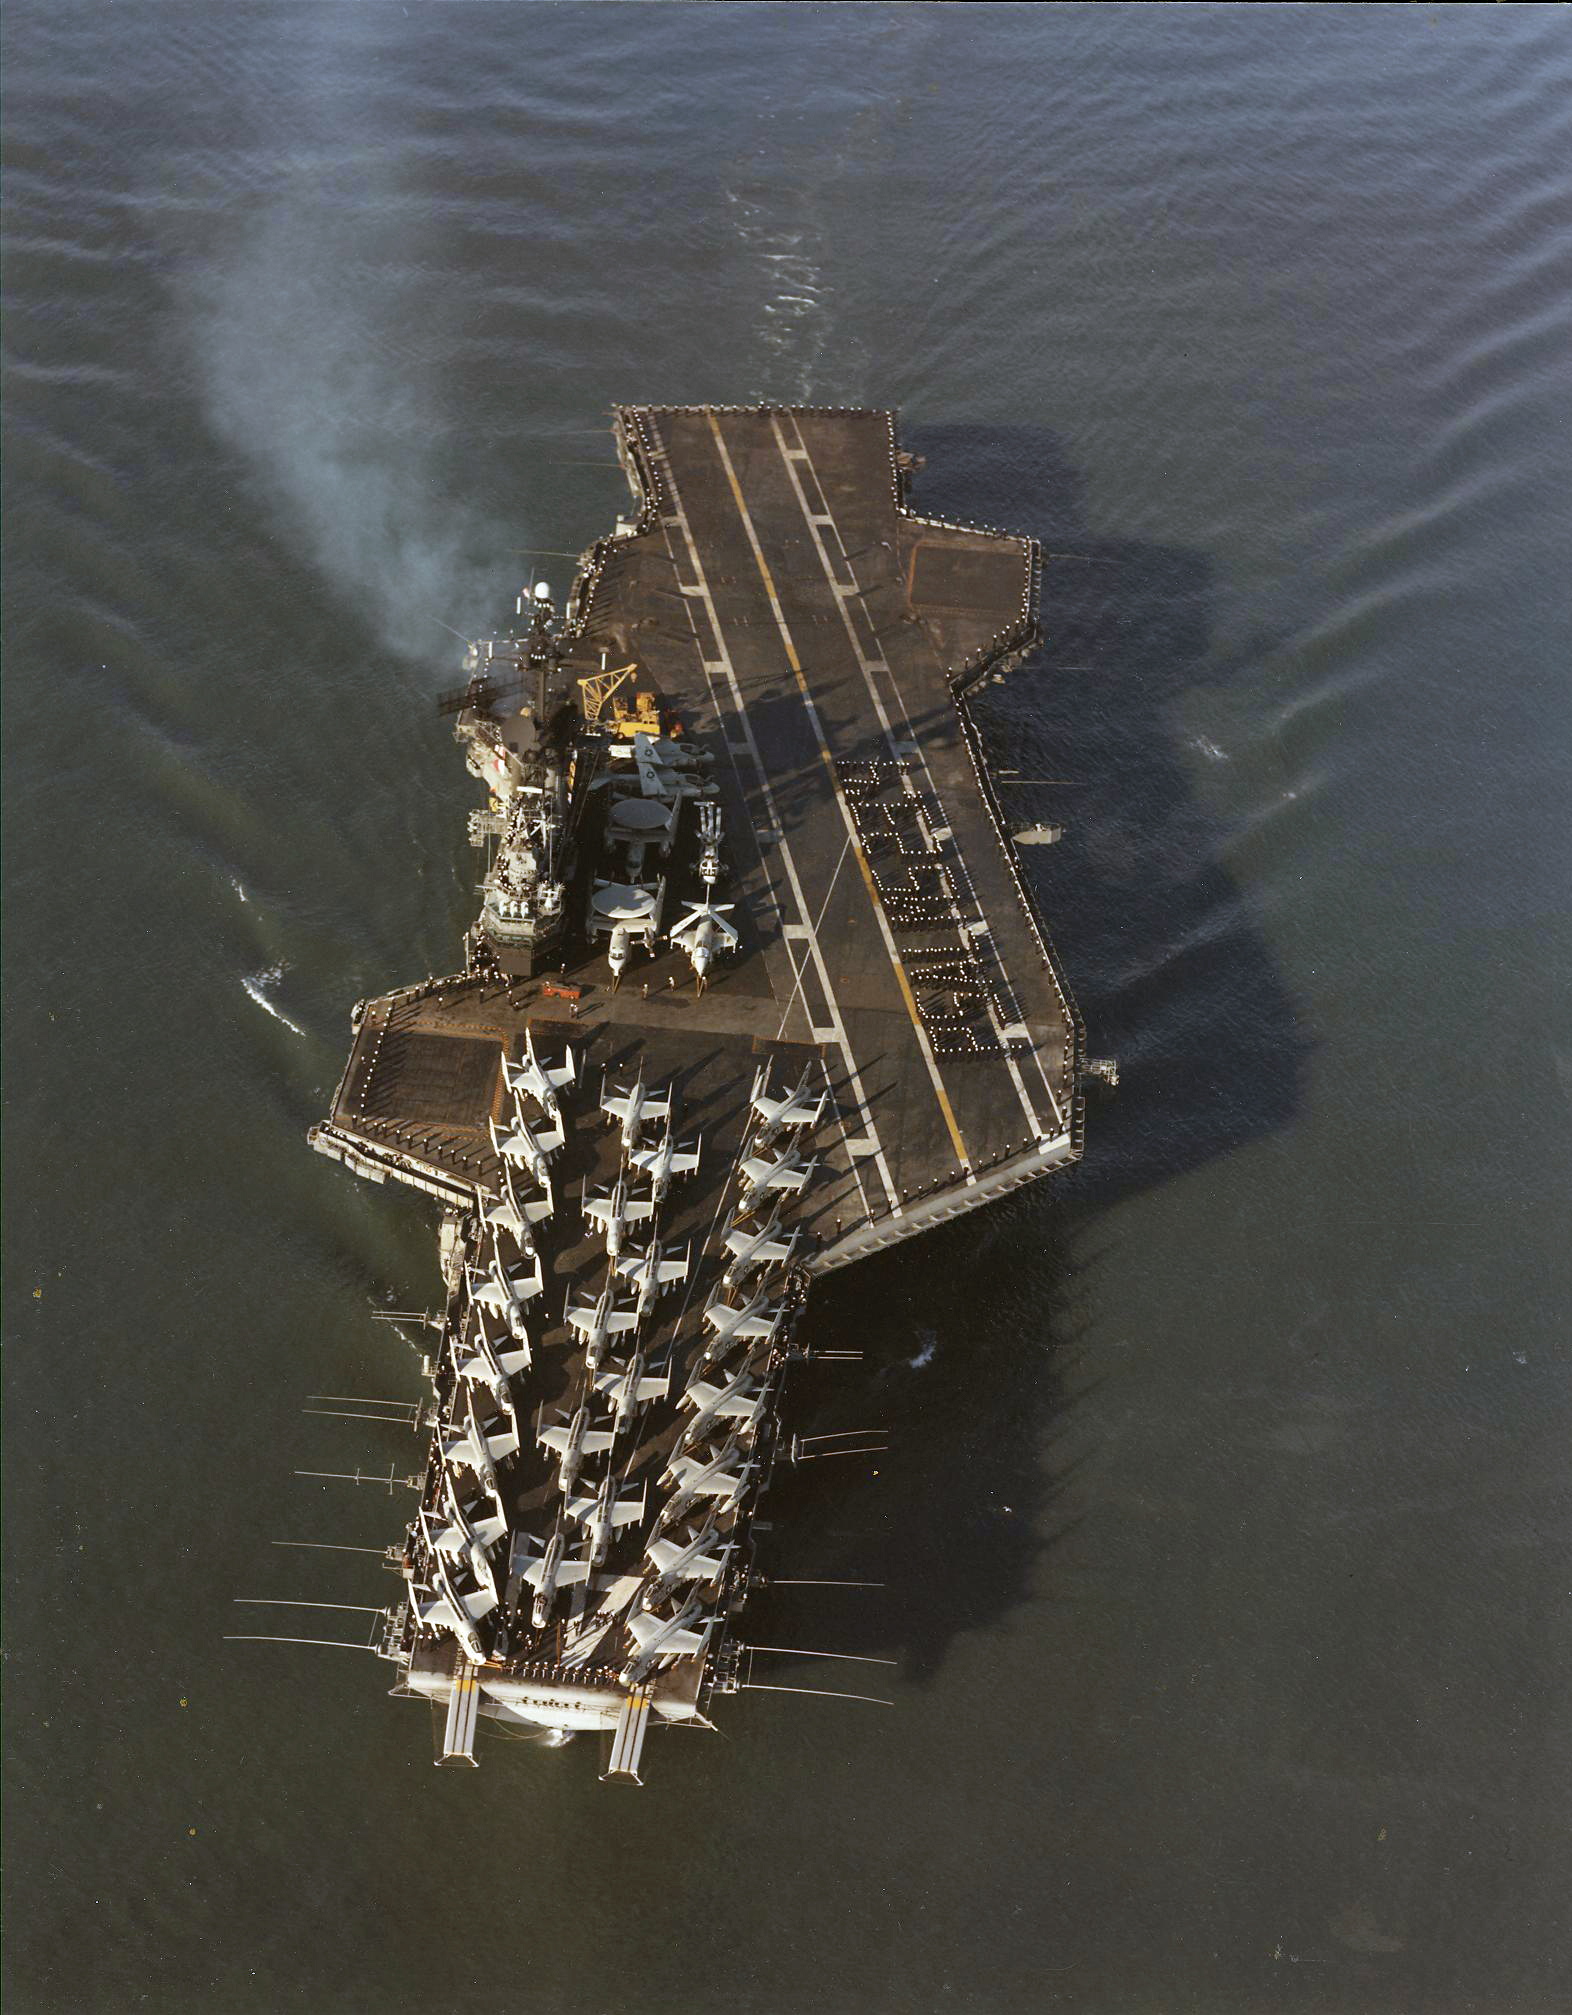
(961,1153)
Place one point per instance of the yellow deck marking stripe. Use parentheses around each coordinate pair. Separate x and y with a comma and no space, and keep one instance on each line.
(907,995)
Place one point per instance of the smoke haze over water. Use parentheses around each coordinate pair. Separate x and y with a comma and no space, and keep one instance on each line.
(316,343)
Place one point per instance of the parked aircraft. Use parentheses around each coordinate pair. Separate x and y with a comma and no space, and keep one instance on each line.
(551,1572)
(740,1400)
(612,1214)
(571,1442)
(705,935)
(541,1081)
(696,1557)
(509,1214)
(457,1540)
(490,1364)
(633,1108)
(597,1322)
(779,1114)
(627,1389)
(709,844)
(724,1477)
(750,1249)
(527,1149)
(664,1162)
(507,1294)
(787,1173)
(755,1322)
(601,1514)
(650,1274)
(480,1449)
(659,1638)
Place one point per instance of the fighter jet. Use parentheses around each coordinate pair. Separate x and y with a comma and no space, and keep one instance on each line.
(755,1322)
(626,1387)
(541,1081)
(511,1216)
(691,1558)
(435,1610)
(476,1520)
(527,1149)
(480,1361)
(457,1540)
(724,1477)
(597,1322)
(450,1609)
(612,1214)
(741,1400)
(601,1514)
(551,1572)
(705,935)
(507,1294)
(787,1173)
(470,1446)
(664,1162)
(633,1108)
(571,1442)
(650,1274)
(759,1248)
(659,1638)
(779,1115)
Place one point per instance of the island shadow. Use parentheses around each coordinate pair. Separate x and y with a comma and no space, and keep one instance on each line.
(967,1352)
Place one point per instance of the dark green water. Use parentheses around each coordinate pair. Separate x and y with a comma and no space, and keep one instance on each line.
(1225,1526)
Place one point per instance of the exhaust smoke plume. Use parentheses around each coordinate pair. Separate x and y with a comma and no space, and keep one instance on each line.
(319,350)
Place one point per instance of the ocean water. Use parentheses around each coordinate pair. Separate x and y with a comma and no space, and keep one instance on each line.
(1224,1526)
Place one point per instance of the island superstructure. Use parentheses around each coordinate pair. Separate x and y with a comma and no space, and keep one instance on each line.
(756,988)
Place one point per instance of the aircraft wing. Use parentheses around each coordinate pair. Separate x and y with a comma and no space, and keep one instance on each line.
(666,1553)
(478,1603)
(648,1631)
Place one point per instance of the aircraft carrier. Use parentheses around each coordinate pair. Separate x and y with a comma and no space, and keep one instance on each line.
(756,988)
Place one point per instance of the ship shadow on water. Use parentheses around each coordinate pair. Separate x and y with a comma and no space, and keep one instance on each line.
(969,1335)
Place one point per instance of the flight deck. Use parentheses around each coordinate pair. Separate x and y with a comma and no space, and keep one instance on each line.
(756,989)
